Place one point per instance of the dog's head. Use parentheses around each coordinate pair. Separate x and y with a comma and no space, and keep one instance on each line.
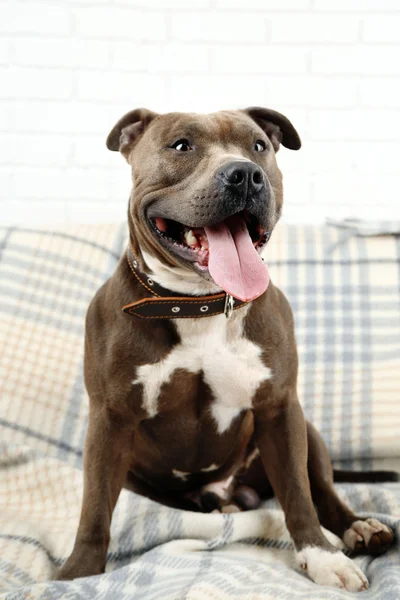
(207,190)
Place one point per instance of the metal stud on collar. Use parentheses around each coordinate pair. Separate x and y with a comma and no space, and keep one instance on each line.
(150,281)
(175,309)
(204,308)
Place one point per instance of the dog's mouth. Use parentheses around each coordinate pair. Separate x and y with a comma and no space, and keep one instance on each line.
(229,251)
(195,239)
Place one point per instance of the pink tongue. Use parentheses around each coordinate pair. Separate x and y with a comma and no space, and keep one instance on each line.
(234,263)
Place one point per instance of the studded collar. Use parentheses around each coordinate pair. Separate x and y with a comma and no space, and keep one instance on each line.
(165,304)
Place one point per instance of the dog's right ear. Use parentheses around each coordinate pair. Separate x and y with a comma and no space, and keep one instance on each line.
(128,129)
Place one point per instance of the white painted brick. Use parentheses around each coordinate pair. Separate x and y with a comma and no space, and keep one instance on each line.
(295,165)
(7,181)
(120,23)
(62,52)
(72,183)
(359,193)
(35,83)
(346,157)
(114,211)
(357,60)
(356,5)
(120,185)
(32,17)
(355,125)
(303,213)
(31,149)
(382,29)
(5,148)
(92,151)
(265,5)
(272,91)
(378,158)
(311,92)
(312,214)
(160,59)
(380,93)
(227,93)
(90,2)
(168,4)
(67,87)
(22,212)
(66,117)
(7,116)
(297,190)
(215,92)
(120,87)
(5,51)
(311,28)
(259,59)
(216,27)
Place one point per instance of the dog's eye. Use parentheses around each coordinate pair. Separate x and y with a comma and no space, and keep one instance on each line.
(259,146)
(182,146)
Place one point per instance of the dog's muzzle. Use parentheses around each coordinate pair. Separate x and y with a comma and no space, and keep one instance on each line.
(222,228)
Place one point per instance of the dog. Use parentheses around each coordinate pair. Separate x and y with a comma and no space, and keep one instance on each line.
(190,353)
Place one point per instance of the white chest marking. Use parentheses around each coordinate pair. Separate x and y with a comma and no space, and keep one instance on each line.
(231,365)
(184,474)
(219,488)
(180,474)
(212,467)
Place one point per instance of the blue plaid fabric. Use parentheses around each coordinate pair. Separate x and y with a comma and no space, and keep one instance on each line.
(344,288)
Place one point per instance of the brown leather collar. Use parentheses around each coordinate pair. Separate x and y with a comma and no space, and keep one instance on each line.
(165,304)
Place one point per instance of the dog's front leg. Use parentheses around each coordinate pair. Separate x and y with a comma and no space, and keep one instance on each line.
(281,437)
(107,458)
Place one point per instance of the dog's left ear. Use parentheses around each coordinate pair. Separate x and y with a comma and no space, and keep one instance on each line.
(128,129)
(277,127)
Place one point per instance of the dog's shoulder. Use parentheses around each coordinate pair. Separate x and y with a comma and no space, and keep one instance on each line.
(116,343)
(270,325)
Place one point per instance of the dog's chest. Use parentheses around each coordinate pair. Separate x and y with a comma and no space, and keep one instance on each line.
(230,365)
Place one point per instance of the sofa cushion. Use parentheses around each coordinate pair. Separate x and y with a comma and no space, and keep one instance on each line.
(344,289)
(47,279)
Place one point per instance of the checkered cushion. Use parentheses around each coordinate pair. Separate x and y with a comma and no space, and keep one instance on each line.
(344,289)
(47,279)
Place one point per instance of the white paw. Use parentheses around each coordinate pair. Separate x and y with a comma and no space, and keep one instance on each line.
(331,568)
(362,531)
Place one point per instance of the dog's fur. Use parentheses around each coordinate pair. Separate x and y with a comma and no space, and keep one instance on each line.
(203,414)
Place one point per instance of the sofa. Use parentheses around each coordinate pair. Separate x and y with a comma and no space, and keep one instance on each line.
(343,283)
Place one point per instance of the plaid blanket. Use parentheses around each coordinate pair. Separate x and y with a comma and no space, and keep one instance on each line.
(344,287)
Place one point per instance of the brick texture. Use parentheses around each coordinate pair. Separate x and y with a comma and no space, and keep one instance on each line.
(70,68)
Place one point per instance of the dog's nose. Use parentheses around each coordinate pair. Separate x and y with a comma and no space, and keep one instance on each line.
(240,174)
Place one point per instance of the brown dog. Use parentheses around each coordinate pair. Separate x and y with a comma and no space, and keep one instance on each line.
(192,386)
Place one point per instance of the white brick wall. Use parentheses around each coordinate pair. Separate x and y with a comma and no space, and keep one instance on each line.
(70,68)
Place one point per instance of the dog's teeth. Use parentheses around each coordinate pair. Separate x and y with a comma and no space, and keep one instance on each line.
(204,243)
(190,239)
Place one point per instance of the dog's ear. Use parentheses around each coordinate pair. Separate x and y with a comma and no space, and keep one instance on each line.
(128,129)
(277,127)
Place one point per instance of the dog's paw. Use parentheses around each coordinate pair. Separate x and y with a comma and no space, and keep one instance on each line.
(369,536)
(331,568)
